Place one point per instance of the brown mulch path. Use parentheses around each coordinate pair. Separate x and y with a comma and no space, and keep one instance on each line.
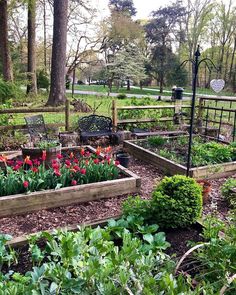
(71,215)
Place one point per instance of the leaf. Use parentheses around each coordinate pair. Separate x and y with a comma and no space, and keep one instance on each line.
(148,238)
(53,288)
(59,185)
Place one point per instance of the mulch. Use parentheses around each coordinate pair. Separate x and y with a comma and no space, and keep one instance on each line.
(71,215)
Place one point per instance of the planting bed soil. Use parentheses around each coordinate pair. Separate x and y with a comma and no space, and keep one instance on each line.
(178,238)
(104,208)
(209,159)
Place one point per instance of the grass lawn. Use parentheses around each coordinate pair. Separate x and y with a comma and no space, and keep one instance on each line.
(101,88)
(102,105)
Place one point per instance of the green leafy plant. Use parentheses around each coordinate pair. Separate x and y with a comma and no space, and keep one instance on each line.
(176,202)
(45,144)
(90,261)
(121,96)
(42,80)
(227,192)
(7,254)
(157,140)
(203,153)
(218,257)
(9,90)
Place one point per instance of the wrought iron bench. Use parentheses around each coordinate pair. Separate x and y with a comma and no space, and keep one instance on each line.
(96,126)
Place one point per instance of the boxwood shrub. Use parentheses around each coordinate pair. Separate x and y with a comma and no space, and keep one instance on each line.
(177,201)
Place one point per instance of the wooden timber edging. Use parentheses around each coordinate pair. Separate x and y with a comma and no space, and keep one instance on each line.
(24,239)
(172,168)
(26,203)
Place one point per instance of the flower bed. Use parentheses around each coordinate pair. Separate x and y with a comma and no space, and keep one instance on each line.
(210,159)
(77,179)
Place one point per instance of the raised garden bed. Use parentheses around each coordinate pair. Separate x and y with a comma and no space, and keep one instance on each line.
(24,203)
(139,150)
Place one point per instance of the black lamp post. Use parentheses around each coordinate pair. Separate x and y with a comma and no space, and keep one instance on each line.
(196,63)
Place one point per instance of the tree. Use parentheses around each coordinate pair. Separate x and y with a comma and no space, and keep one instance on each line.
(128,64)
(58,65)
(32,79)
(125,7)
(160,32)
(4,45)
(198,15)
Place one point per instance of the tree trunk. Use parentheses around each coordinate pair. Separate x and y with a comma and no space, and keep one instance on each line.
(58,67)
(44,36)
(232,64)
(4,45)
(128,84)
(32,79)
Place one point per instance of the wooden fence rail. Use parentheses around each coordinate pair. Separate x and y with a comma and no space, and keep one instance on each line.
(65,108)
(176,108)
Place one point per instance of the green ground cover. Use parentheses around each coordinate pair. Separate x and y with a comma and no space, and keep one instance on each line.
(150,91)
(203,152)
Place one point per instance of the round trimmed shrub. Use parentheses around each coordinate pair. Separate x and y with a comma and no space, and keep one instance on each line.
(177,202)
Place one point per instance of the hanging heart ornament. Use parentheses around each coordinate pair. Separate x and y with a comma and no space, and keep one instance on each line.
(217,84)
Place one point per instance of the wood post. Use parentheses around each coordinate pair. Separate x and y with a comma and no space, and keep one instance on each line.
(114,114)
(200,112)
(67,115)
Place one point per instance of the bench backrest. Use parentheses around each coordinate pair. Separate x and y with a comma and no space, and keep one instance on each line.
(95,123)
(36,127)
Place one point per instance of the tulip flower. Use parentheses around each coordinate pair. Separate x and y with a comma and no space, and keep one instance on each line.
(25,184)
(44,155)
(73,182)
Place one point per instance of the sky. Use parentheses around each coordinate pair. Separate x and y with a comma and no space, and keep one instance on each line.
(144,7)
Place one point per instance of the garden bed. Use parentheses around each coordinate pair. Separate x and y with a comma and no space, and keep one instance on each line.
(127,183)
(141,150)
(178,239)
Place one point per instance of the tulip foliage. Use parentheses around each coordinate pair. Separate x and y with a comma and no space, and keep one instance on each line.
(32,175)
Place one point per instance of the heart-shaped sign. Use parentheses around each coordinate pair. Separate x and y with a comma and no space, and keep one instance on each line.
(217,84)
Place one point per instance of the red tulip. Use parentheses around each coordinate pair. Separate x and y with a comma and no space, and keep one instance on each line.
(55,166)
(96,161)
(20,163)
(67,162)
(28,161)
(73,182)
(44,155)
(16,168)
(82,152)
(59,156)
(57,172)
(25,184)
(76,167)
(83,171)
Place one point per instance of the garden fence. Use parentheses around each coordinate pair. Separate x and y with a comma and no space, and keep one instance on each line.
(175,108)
(218,111)
(65,109)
